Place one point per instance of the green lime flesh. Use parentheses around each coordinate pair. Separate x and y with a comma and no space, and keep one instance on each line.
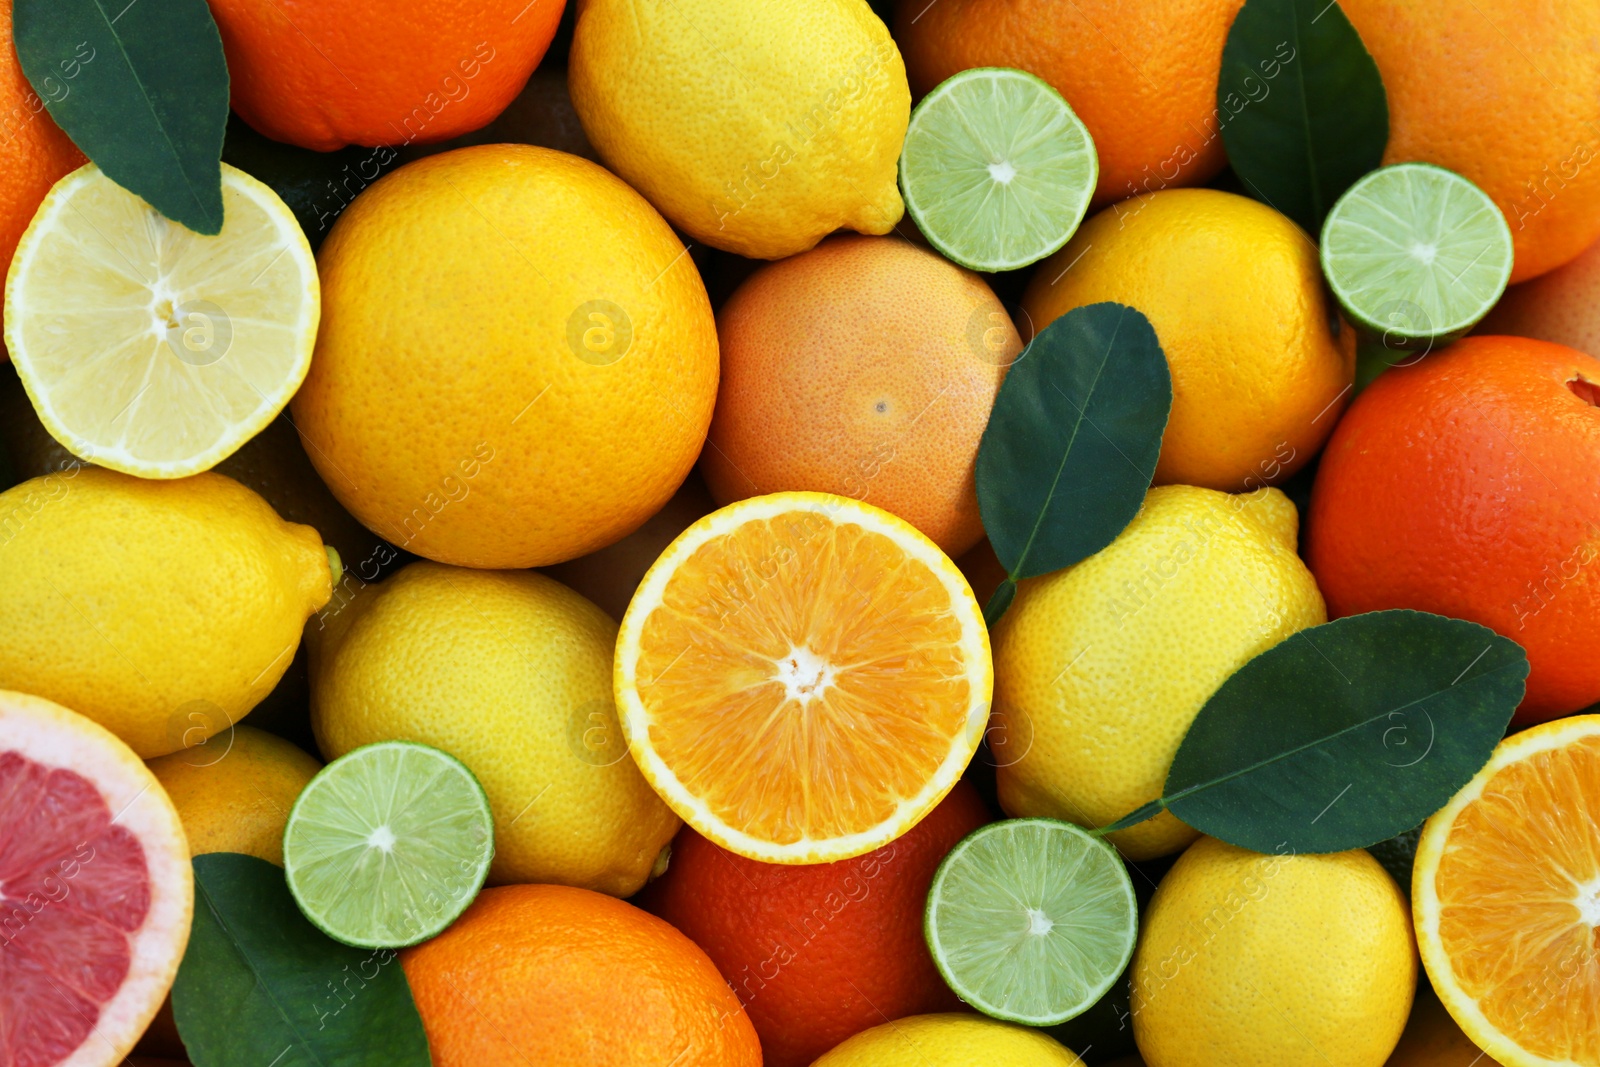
(388,844)
(1416,254)
(997,171)
(1031,920)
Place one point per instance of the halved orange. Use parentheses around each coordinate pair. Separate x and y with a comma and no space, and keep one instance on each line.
(1506,899)
(802,677)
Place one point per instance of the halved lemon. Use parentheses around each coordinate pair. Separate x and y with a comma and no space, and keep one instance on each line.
(1506,899)
(151,349)
(802,677)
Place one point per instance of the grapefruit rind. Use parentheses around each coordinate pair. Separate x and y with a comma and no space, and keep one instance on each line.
(1425,905)
(49,734)
(840,511)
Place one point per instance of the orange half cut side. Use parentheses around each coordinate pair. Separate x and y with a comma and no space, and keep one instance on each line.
(803,677)
(1506,899)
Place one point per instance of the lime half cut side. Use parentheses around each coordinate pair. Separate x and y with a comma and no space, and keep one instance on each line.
(1031,920)
(1416,254)
(997,171)
(388,844)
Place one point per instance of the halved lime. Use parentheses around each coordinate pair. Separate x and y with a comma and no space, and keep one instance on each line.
(996,170)
(388,844)
(1031,920)
(1416,254)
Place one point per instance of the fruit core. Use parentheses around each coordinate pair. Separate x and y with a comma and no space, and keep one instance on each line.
(1002,171)
(805,675)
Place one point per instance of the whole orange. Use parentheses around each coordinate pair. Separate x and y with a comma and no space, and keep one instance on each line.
(1562,306)
(1502,91)
(34,153)
(1468,484)
(326,73)
(1142,76)
(563,977)
(818,952)
(865,367)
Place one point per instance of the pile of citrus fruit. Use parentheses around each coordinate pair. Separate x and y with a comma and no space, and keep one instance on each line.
(1005,532)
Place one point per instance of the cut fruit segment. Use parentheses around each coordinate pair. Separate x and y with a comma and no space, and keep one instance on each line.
(1506,898)
(388,844)
(96,892)
(802,677)
(148,348)
(997,170)
(1416,254)
(1031,920)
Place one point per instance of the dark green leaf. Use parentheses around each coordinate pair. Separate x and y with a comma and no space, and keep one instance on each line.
(1345,734)
(1302,109)
(142,88)
(258,981)
(1072,442)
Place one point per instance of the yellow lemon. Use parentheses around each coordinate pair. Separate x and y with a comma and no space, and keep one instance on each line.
(949,1041)
(1261,364)
(163,610)
(756,129)
(517,361)
(1253,960)
(1101,667)
(234,792)
(510,672)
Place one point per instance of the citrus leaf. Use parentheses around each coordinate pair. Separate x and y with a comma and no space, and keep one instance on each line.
(1301,105)
(1346,734)
(1072,442)
(141,88)
(258,981)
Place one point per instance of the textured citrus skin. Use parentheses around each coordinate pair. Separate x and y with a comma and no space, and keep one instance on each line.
(822,951)
(1562,306)
(865,367)
(464,401)
(1260,363)
(510,672)
(1466,485)
(1272,961)
(753,129)
(62,895)
(34,153)
(1142,77)
(326,73)
(949,1040)
(163,610)
(1101,667)
(562,977)
(234,792)
(1503,93)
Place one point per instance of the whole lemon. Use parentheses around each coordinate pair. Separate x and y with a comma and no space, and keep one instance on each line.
(510,672)
(1261,363)
(234,792)
(1273,961)
(517,361)
(949,1040)
(163,610)
(755,128)
(1100,668)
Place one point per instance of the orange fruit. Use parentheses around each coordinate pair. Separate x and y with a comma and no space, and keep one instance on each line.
(95,889)
(1261,363)
(1432,1038)
(1468,484)
(1142,77)
(36,153)
(352,72)
(819,952)
(563,977)
(517,361)
(1562,306)
(1506,898)
(865,367)
(802,677)
(1501,91)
